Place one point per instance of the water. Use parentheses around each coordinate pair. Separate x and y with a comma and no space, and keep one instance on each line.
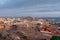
(57,19)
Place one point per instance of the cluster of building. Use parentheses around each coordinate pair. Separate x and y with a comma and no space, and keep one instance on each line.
(42,25)
(28,21)
(6,23)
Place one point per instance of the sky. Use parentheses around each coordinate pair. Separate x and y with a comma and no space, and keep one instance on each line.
(36,8)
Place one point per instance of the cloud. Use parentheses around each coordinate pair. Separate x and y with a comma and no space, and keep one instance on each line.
(42,8)
(28,12)
(11,3)
(25,3)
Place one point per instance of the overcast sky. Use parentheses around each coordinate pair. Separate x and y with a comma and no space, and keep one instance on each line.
(38,8)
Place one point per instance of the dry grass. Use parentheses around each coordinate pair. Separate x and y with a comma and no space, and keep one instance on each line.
(22,33)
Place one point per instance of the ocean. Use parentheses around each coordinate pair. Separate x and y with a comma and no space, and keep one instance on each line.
(56,19)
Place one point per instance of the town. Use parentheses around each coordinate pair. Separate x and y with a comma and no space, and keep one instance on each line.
(28,28)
